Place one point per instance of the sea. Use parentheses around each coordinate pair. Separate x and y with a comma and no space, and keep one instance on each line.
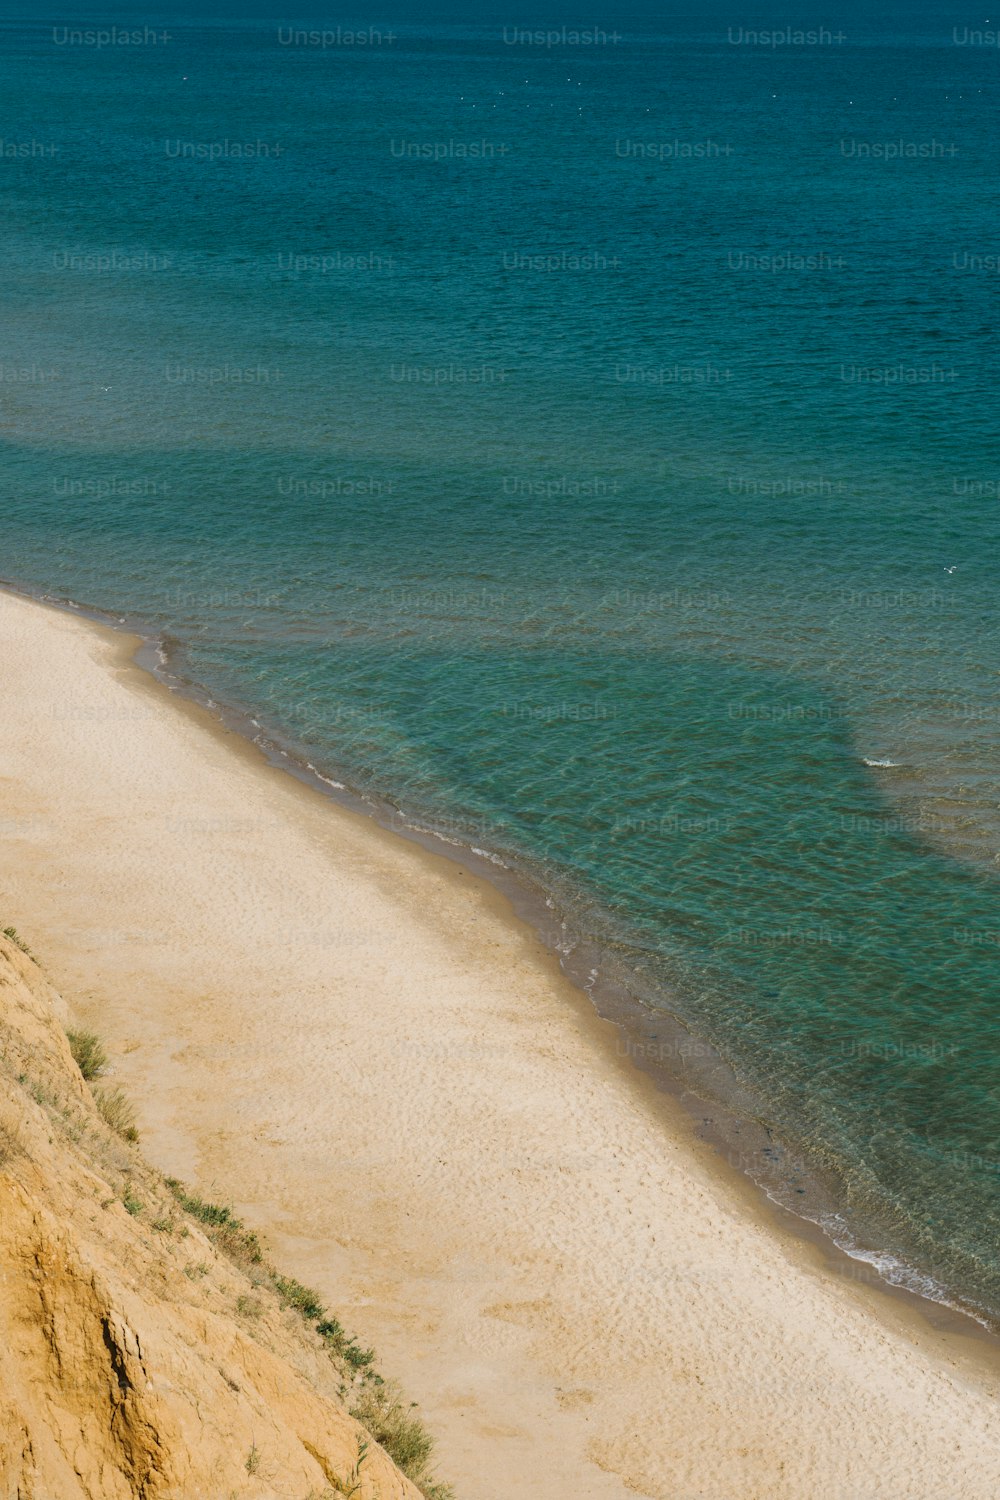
(573,433)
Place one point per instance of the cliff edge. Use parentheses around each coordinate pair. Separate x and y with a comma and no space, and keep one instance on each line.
(147,1347)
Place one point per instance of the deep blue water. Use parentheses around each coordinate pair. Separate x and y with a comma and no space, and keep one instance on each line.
(590,449)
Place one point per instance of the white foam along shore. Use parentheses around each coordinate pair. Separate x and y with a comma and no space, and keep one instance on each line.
(356,1042)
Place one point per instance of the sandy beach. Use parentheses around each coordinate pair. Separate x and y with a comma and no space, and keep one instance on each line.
(357,1044)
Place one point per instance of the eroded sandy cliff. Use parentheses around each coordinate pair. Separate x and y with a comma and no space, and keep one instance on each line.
(136,1359)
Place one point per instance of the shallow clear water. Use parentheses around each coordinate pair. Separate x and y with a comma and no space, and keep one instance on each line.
(667,573)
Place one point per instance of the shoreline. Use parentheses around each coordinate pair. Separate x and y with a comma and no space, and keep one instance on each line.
(757,1161)
(614,1082)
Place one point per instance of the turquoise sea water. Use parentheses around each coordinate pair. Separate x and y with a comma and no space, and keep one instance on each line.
(591,451)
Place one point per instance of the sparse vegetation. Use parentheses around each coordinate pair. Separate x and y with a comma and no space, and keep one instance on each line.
(352,1483)
(116,1110)
(401,1433)
(253,1459)
(208,1213)
(433,1489)
(18,941)
(88,1053)
(341,1343)
(294,1294)
(10,1143)
(378,1404)
(133,1205)
(226,1231)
